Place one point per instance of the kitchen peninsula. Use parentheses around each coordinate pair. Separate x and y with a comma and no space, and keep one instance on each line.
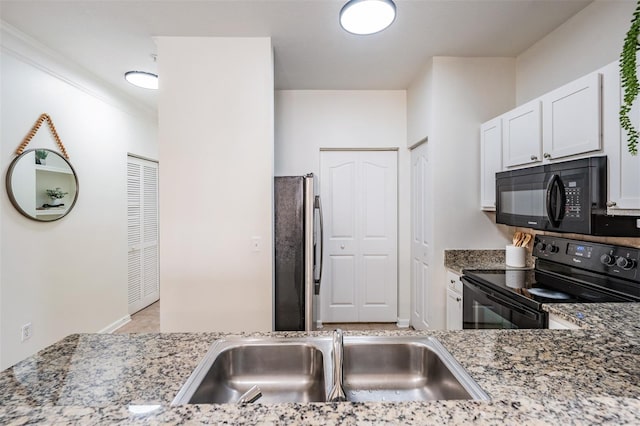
(585,376)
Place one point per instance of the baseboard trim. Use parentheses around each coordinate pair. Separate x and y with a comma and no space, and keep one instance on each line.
(115,325)
(403,323)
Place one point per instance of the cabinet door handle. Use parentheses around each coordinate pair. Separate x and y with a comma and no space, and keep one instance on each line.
(611,204)
(547,155)
(458,299)
(453,281)
(534,158)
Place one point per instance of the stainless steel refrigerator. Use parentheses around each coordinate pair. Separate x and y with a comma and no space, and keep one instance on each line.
(298,260)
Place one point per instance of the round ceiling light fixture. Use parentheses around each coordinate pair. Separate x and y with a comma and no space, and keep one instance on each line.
(143,79)
(364,17)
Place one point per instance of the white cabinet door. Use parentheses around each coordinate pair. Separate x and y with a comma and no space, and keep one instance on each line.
(454,301)
(624,168)
(571,118)
(454,310)
(490,161)
(522,135)
(142,233)
(421,237)
(359,193)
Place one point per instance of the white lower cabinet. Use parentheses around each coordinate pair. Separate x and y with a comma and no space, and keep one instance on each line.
(558,323)
(454,301)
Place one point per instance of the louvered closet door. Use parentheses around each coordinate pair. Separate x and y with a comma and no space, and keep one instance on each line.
(142,215)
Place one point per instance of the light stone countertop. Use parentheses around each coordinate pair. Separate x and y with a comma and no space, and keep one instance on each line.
(457,260)
(585,376)
(581,376)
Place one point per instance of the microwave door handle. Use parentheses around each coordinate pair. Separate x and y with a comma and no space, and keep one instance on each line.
(556,200)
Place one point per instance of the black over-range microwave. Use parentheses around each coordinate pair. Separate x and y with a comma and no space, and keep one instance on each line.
(568,196)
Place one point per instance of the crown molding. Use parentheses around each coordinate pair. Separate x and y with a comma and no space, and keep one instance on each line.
(30,51)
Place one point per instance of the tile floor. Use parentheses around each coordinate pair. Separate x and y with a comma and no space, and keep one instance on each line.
(145,321)
(148,321)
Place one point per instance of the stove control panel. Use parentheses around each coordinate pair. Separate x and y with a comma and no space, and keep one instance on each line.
(596,257)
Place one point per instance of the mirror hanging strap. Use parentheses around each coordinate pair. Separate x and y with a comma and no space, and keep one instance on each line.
(43,117)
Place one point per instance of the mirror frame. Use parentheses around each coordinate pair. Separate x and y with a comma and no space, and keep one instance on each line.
(12,197)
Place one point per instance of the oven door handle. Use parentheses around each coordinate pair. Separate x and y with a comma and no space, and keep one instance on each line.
(511,306)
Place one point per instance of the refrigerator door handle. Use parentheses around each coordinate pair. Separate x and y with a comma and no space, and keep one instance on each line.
(317,204)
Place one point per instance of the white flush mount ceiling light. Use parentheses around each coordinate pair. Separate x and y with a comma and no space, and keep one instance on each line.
(142,79)
(367,16)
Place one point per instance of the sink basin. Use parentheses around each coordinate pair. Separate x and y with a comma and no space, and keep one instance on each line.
(285,370)
(300,370)
(403,369)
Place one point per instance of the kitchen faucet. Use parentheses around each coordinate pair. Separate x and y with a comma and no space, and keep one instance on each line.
(337,392)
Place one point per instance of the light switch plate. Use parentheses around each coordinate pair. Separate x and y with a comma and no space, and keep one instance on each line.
(256,244)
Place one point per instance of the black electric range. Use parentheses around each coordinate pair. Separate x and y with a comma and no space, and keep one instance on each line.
(566,271)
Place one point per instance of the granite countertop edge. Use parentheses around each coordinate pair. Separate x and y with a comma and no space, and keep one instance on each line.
(490,259)
(597,410)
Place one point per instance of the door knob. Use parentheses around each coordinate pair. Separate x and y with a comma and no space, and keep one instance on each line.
(534,158)
(547,155)
(341,246)
(611,204)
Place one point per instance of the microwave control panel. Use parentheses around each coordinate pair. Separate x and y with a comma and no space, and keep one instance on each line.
(573,206)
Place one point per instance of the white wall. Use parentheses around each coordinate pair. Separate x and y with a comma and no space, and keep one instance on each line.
(419,107)
(308,120)
(587,41)
(70,275)
(216,147)
(465,92)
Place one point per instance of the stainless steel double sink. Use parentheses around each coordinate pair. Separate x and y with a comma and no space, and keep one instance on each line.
(300,370)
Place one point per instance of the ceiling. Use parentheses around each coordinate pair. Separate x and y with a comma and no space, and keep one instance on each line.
(111,37)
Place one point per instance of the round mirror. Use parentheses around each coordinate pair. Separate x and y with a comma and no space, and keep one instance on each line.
(42,185)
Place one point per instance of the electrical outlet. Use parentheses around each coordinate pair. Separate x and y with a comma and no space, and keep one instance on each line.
(27,331)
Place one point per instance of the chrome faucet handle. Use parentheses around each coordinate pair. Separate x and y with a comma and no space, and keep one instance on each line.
(337,393)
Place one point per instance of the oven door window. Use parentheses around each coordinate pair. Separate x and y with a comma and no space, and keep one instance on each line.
(483,310)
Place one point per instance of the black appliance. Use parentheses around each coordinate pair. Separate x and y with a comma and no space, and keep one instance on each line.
(298,261)
(566,271)
(568,196)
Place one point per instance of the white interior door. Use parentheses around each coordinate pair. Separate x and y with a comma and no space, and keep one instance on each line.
(421,237)
(142,233)
(359,193)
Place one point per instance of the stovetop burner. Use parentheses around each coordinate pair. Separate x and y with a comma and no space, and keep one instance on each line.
(569,271)
(549,294)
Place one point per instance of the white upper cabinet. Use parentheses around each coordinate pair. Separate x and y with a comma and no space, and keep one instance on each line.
(491,161)
(522,135)
(624,168)
(566,122)
(579,119)
(571,118)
